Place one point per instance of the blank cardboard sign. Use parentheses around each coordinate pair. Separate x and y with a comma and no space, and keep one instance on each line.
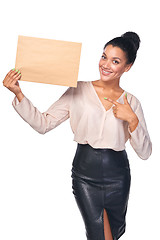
(48,61)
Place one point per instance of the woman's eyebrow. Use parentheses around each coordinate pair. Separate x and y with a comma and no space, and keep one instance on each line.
(116,58)
(113,57)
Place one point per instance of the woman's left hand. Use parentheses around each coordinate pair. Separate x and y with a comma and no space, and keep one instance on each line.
(123,111)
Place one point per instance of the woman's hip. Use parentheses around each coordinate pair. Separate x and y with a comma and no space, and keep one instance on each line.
(100,165)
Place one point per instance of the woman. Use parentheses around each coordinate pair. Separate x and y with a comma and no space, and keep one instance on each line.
(103,117)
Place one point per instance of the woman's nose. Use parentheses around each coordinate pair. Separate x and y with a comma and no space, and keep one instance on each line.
(106,64)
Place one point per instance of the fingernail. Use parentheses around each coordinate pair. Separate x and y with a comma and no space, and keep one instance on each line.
(17,70)
(13,69)
(126,94)
(105,98)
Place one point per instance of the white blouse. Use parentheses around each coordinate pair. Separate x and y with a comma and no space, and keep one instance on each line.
(90,122)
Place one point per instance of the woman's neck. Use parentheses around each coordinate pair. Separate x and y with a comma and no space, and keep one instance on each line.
(110,86)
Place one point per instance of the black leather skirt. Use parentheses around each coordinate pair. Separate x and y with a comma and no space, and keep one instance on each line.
(101,180)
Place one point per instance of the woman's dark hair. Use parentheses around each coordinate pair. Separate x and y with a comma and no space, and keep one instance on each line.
(129,42)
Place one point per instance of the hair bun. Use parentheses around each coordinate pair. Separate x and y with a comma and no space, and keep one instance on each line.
(133,37)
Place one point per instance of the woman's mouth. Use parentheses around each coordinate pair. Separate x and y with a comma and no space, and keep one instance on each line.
(105,72)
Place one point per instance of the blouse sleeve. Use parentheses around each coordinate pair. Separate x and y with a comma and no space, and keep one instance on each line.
(44,122)
(139,138)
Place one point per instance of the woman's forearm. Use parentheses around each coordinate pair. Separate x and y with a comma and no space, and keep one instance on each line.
(133,123)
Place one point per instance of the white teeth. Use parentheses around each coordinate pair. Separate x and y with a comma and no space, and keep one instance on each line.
(105,71)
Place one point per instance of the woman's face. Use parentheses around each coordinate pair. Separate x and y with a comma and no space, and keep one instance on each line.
(113,63)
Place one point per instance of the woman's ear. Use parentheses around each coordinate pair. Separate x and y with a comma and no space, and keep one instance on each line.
(128,67)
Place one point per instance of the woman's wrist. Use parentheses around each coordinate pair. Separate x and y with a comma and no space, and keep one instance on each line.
(133,122)
(19,96)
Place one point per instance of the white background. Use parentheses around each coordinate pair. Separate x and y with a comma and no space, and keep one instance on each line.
(36,200)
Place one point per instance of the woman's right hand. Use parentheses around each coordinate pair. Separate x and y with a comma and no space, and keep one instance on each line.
(11,82)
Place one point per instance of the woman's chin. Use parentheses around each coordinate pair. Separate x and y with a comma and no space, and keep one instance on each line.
(105,78)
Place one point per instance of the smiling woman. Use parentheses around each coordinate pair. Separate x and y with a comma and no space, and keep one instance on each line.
(113,63)
(100,168)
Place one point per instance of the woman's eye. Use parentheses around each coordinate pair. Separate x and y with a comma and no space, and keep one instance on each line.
(115,61)
(103,57)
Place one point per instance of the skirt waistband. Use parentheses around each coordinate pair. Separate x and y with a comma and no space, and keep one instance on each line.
(99,163)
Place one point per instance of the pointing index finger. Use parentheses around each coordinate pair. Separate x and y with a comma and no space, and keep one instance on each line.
(110,100)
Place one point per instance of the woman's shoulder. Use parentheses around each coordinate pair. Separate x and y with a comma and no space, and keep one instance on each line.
(132,96)
(80,85)
(133,100)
